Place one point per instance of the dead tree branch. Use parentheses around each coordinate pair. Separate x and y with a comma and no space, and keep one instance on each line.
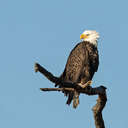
(66,86)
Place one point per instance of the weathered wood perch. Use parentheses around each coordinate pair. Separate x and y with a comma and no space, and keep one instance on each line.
(100,91)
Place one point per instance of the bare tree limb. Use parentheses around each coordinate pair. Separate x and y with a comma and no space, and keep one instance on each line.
(51,77)
(89,90)
(48,75)
(66,86)
(97,110)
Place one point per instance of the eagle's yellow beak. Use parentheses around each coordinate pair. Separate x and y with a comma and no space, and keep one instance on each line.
(83,36)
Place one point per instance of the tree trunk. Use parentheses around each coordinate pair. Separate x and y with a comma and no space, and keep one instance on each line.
(100,91)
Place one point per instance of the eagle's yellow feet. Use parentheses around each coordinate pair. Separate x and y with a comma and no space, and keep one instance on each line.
(86,84)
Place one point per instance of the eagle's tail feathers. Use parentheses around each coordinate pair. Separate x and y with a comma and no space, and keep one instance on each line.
(75,99)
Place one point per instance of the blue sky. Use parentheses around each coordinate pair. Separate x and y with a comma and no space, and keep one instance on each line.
(45,31)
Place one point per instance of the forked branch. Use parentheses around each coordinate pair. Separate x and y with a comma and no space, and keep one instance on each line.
(66,86)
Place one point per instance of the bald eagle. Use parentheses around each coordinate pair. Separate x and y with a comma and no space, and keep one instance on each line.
(81,65)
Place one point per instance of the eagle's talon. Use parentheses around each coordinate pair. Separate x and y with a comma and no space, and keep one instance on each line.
(89,82)
(86,84)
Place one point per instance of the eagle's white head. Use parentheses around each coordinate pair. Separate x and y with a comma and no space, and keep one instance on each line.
(90,36)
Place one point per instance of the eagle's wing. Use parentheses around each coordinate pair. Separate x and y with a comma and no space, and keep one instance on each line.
(93,59)
(75,63)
